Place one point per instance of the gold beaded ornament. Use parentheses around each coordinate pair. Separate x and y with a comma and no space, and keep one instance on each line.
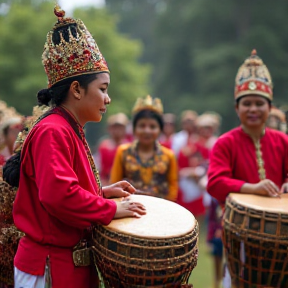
(148,103)
(77,55)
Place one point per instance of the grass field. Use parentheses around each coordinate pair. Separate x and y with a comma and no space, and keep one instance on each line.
(202,275)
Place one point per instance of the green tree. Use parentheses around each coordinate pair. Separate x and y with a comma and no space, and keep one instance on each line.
(129,79)
(23,33)
(197,46)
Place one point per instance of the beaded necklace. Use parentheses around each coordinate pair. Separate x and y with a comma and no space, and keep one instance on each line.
(259,155)
(80,133)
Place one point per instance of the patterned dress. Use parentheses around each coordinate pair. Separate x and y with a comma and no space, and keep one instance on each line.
(157,177)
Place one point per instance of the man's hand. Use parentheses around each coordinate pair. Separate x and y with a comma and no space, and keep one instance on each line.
(118,190)
(127,208)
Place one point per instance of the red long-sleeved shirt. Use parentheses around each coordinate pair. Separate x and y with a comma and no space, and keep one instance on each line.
(233,161)
(57,199)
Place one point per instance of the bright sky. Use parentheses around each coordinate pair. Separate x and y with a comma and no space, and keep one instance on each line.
(68,5)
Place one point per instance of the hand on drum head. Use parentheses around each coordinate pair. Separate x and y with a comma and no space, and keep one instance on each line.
(284,188)
(127,208)
(267,188)
(118,190)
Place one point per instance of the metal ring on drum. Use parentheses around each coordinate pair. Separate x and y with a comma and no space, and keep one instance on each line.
(160,249)
(255,238)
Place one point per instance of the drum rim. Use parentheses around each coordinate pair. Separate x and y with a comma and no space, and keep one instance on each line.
(238,199)
(138,198)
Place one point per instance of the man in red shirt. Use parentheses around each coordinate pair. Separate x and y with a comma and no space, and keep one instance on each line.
(251,158)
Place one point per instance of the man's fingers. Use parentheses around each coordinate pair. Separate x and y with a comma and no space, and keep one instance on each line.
(138,208)
(271,191)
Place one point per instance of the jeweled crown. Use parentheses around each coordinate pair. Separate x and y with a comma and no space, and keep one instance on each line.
(72,53)
(253,78)
(148,103)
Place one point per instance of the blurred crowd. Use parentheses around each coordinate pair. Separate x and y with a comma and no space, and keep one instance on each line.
(190,136)
(191,144)
(182,144)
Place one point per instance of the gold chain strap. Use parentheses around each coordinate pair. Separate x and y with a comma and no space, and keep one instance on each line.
(260,161)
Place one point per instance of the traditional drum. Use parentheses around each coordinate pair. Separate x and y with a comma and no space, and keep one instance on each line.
(255,238)
(160,249)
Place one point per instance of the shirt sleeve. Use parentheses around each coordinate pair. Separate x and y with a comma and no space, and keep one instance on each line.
(173,178)
(220,176)
(59,190)
(117,172)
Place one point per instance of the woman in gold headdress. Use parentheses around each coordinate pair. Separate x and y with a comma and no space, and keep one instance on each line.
(150,167)
(60,194)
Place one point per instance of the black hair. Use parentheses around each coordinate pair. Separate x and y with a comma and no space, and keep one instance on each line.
(148,114)
(64,30)
(11,170)
(238,99)
(58,93)
(6,130)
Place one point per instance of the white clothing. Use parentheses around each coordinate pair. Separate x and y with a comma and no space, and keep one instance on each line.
(25,280)
(179,140)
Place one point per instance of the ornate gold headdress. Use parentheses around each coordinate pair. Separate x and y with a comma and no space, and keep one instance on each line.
(29,124)
(253,78)
(72,53)
(148,103)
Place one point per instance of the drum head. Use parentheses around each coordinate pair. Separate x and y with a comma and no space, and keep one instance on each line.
(268,204)
(164,219)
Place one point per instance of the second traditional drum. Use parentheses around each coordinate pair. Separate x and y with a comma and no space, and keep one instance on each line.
(255,238)
(159,249)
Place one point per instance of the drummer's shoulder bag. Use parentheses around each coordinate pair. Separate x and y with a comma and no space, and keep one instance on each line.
(82,254)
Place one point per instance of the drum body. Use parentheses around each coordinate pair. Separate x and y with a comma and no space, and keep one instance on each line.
(153,251)
(255,238)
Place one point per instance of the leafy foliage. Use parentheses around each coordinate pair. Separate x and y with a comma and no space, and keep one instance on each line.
(197,46)
(22,33)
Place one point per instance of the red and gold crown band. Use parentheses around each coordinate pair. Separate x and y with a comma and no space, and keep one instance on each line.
(79,55)
(253,78)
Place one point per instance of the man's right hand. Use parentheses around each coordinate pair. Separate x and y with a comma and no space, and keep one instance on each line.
(264,188)
(128,208)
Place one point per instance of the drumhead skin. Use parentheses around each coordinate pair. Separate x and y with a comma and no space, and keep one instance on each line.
(268,204)
(164,219)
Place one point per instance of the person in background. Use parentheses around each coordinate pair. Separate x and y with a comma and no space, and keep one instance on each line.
(10,129)
(107,148)
(188,134)
(214,239)
(11,123)
(252,158)
(193,163)
(208,125)
(148,166)
(277,120)
(169,128)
